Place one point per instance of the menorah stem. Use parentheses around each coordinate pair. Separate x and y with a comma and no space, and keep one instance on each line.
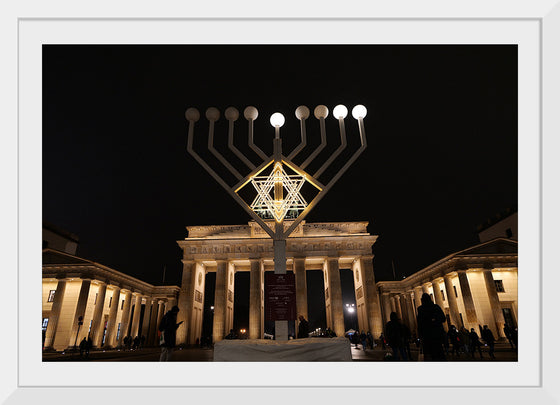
(252,144)
(320,147)
(337,151)
(218,154)
(237,152)
(303,142)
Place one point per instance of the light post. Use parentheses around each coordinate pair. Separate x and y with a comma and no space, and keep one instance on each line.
(278,193)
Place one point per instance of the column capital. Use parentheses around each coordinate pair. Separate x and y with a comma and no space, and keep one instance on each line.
(437,279)
(367,257)
(188,261)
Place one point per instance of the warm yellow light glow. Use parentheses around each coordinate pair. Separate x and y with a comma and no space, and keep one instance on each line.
(285,193)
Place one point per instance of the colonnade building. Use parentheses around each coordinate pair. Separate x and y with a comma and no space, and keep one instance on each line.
(474,287)
(477,286)
(112,304)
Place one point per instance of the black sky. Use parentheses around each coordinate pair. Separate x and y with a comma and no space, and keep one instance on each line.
(441,130)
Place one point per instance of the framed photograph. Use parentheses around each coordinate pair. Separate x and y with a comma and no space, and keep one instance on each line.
(532,28)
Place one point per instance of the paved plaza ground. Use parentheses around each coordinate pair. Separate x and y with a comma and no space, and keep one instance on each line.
(503,352)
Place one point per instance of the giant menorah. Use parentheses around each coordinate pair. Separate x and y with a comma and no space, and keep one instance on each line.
(277,180)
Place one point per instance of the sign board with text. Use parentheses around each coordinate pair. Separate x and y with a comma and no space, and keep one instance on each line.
(279,297)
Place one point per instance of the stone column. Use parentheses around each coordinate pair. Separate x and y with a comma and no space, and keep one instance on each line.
(453,308)
(404,310)
(55,313)
(301,287)
(386,307)
(146,319)
(494,302)
(393,304)
(255,298)
(97,325)
(80,311)
(417,297)
(439,298)
(220,301)
(468,301)
(186,301)
(152,335)
(371,296)
(111,323)
(337,314)
(136,316)
(425,288)
(398,306)
(160,312)
(125,317)
(414,322)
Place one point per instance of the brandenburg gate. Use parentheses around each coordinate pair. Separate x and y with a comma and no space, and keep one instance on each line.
(227,249)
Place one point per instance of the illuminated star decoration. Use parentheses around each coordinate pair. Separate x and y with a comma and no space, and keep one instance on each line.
(277,204)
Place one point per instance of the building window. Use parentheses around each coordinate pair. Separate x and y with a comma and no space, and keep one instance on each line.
(442,295)
(432,297)
(45,323)
(455,289)
(118,331)
(51,296)
(90,323)
(499,286)
(509,233)
(122,304)
(110,300)
(95,301)
(461,317)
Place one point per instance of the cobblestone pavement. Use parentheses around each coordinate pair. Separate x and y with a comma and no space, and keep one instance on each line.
(503,352)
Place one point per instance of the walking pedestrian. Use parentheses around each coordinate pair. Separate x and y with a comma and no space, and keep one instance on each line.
(453,336)
(488,337)
(395,337)
(363,339)
(474,343)
(370,339)
(430,321)
(168,327)
(303,328)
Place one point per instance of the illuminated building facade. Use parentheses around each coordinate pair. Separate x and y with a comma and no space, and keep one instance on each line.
(113,305)
(476,286)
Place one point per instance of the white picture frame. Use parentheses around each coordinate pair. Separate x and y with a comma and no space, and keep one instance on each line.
(28,24)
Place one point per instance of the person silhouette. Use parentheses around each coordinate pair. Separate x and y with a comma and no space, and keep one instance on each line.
(488,337)
(303,328)
(430,321)
(168,327)
(396,335)
(474,343)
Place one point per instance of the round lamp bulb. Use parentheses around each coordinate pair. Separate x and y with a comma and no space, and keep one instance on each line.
(340,111)
(302,112)
(212,114)
(250,113)
(359,111)
(192,114)
(321,111)
(277,120)
(231,114)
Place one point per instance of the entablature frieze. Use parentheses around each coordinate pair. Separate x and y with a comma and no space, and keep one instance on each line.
(452,266)
(259,248)
(102,274)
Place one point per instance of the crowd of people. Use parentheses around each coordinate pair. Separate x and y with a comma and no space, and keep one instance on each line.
(431,340)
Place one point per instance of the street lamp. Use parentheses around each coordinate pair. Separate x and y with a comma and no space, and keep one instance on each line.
(278,192)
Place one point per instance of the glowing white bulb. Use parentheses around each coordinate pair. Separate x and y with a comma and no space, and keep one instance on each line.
(359,111)
(277,120)
(340,111)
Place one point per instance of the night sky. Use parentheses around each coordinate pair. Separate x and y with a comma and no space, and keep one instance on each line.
(441,157)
